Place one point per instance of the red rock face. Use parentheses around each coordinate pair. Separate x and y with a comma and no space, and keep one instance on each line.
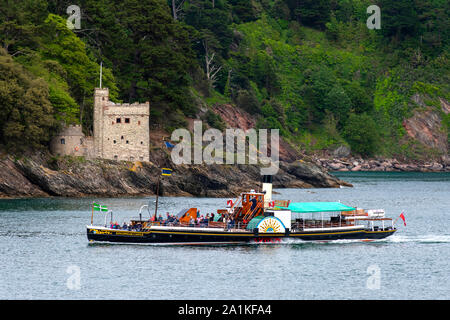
(426,127)
(445,105)
(238,118)
(235,117)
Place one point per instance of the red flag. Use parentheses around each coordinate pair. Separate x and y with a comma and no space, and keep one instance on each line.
(403,218)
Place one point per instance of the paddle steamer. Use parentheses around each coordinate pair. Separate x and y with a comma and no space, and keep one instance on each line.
(253,217)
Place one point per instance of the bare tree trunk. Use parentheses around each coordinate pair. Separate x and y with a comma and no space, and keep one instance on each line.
(211,69)
(176,8)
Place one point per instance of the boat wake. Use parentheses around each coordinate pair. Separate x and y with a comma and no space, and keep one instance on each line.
(392,239)
(431,238)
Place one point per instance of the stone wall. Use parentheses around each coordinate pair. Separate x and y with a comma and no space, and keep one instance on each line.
(126,132)
(121,131)
(71,141)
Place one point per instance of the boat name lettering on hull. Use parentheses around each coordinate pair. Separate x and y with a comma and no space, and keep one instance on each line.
(100,231)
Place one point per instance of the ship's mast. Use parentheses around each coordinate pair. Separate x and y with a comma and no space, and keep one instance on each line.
(157,195)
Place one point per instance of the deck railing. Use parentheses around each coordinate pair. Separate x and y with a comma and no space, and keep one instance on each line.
(209,224)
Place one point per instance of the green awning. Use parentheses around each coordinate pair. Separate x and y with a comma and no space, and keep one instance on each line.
(317,207)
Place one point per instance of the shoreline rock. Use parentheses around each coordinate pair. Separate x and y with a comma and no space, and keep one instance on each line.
(358,164)
(45,176)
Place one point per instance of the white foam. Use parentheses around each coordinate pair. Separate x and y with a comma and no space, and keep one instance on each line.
(429,238)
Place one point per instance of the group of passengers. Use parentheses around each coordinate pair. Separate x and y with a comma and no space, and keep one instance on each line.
(170,220)
(126,226)
(201,221)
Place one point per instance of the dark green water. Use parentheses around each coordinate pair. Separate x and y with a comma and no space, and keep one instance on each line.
(44,253)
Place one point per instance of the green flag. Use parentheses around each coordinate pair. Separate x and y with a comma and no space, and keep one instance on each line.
(98,207)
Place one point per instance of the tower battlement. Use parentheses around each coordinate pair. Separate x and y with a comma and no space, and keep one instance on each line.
(121,131)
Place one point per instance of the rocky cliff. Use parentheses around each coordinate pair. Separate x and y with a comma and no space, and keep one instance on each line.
(41,175)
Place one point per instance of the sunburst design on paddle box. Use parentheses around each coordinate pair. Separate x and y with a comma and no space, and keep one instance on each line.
(271,224)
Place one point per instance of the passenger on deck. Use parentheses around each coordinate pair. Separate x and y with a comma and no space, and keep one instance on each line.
(230,223)
(212,217)
(191,222)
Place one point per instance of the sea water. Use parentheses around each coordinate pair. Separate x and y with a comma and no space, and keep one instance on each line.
(44,252)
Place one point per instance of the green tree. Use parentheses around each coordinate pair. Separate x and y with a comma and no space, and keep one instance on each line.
(361,133)
(247,100)
(149,51)
(399,19)
(213,22)
(244,10)
(313,13)
(20,25)
(26,119)
(60,46)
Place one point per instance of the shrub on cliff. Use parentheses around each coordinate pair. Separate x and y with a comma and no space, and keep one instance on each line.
(361,133)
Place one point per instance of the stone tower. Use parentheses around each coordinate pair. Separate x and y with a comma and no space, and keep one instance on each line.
(121,131)
(71,141)
(101,97)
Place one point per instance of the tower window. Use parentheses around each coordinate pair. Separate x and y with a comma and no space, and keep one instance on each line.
(127,142)
(127,120)
(114,141)
(142,142)
(115,157)
(63,141)
(139,123)
(121,137)
(118,120)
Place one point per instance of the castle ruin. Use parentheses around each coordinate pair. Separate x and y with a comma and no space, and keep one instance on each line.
(121,132)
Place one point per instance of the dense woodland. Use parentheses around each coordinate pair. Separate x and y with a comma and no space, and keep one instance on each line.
(310,68)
